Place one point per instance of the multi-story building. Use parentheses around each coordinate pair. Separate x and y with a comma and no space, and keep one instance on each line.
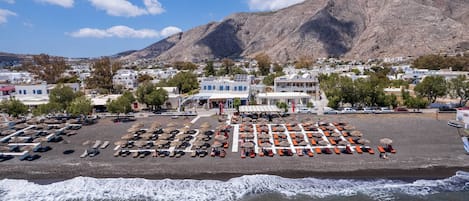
(306,83)
(126,78)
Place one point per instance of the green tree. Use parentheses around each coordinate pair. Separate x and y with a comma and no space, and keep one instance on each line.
(227,66)
(144,78)
(282,105)
(277,68)
(237,103)
(152,96)
(80,106)
(102,72)
(47,68)
(263,63)
(431,87)
(14,107)
(209,70)
(459,88)
(269,79)
(184,81)
(62,96)
(46,109)
(123,104)
(183,65)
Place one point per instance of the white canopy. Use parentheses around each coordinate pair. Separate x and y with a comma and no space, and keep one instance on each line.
(259,108)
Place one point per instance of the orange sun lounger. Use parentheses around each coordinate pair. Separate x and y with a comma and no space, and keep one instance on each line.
(310,153)
(358,149)
(292,135)
(295,143)
(310,135)
(371,151)
(318,150)
(299,152)
(381,149)
(327,134)
(276,142)
(332,141)
(336,150)
(275,136)
(313,142)
(351,140)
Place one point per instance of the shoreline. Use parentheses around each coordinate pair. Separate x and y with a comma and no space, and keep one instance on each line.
(409,175)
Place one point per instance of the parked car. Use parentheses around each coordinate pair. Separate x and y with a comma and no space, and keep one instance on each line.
(446,109)
(348,110)
(41,148)
(401,109)
(385,110)
(368,110)
(29,157)
(305,110)
(328,110)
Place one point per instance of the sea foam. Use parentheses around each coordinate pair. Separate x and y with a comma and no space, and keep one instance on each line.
(85,188)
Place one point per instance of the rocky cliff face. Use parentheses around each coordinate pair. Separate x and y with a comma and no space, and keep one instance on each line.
(351,29)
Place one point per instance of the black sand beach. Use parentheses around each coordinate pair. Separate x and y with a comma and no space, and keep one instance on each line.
(426,148)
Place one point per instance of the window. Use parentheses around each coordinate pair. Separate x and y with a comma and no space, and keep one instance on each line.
(205,87)
(34,91)
(20,91)
(209,87)
(240,88)
(221,88)
(227,88)
(245,88)
(235,88)
(39,91)
(214,88)
(24,92)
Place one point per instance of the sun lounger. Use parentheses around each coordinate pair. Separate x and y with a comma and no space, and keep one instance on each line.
(310,135)
(105,144)
(332,141)
(318,150)
(261,153)
(222,153)
(194,154)
(390,149)
(336,150)
(299,152)
(270,153)
(313,141)
(348,150)
(276,136)
(252,154)
(327,151)
(327,134)
(295,143)
(292,135)
(310,153)
(96,144)
(351,141)
(358,149)
(371,151)
(226,145)
(84,154)
(135,154)
(172,154)
(280,152)
(381,149)
(243,154)
(276,142)
(117,153)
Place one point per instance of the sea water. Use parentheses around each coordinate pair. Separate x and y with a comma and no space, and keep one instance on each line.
(245,188)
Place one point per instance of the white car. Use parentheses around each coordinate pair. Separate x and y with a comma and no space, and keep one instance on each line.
(348,110)
(368,110)
(307,110)
(385,110)
(328,110)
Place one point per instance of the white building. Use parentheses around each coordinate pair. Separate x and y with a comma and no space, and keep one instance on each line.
(293,99)
(306,83)
(214,91)
(127,78)
(37,94)
(15,77)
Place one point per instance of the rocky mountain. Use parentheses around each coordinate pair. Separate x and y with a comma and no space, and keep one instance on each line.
(350,29)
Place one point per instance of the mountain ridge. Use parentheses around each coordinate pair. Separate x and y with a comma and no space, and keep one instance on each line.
(322,28)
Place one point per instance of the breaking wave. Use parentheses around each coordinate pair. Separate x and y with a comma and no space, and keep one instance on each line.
(85,188)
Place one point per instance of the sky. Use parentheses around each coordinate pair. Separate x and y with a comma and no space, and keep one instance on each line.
(93,28)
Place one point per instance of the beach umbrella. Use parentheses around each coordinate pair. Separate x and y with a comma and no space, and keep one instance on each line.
(356,134)
(133,130)
(220,137)
(198,143)
(281,129)
(120,142)
(217,144)
(26,148)
(303,143)
(184,130)
(176,143)
(249,135)
(349,127)
(385,141)
(182,136)
(171,124)
(205,125)
(317,135)
(165,136)
(140,143)
(138,125)
(265,144)
(41,139)
(201,136)
(334,134)
(4,148)
(161,142)
(248,145)
(146,135)
(363,141)
(264,136)
(323,143)
(343,143)
(284,144)
(188,124)
(156,124)
(127,136)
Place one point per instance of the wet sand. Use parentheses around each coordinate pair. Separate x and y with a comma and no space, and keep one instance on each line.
(426,148)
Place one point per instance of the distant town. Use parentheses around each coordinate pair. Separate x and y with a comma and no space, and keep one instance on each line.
(323,85)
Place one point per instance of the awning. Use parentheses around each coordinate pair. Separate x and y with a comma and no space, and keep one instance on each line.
(259,108)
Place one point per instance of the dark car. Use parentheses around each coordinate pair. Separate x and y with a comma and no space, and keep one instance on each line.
(29,157)
(401,109)
(42,148)
(124,119)
(446,109)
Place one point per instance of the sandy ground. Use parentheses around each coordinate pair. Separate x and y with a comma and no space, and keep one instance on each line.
(426,148)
